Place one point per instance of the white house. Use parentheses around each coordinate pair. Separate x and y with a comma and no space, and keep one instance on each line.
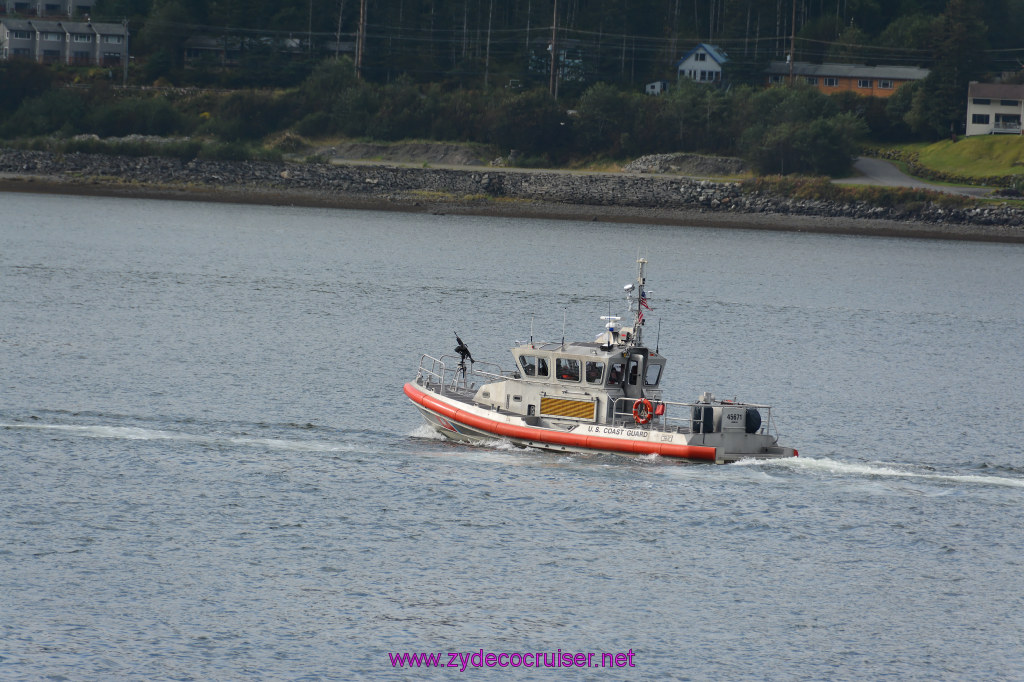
(656,87)
(994,108)
(702,64)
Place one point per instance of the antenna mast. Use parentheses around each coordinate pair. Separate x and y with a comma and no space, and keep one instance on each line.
(641,301)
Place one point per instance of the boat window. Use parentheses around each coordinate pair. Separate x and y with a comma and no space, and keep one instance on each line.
(615,375)
(633,366)
(533,366)
(653,375)
(595,372)
(567,369)
(529,364)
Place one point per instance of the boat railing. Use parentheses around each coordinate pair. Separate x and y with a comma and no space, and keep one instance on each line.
(449,374)
(678,417)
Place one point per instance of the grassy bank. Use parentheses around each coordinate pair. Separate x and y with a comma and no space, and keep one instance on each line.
(138,146)
(906,199)
(991,159)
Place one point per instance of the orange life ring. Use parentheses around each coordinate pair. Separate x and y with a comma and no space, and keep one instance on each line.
(642,411)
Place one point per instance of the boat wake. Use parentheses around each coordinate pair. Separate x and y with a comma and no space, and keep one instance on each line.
(212,439)
(425,432)
(878,470)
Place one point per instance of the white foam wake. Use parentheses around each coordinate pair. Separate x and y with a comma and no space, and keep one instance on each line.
(478,449)
(100,431)
(425,432)
(878,469)
(137,433)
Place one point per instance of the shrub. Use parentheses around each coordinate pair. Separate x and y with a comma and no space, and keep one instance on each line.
(248,115)
(21,80)
(149,116)
(237,151)
(822,189)
(317,124)
(819,146)
(61,110)
(186,150)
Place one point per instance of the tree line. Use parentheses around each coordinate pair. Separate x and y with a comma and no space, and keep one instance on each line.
(779,130)
(483,42)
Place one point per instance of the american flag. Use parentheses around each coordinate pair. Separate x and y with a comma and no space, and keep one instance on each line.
(643,299)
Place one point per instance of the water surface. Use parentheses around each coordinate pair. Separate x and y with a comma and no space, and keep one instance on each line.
(208,469)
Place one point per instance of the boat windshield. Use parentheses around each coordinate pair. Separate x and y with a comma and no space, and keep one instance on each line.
(653,375)
(533,366)
(595,372)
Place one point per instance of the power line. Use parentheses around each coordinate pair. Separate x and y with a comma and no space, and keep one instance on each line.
(408,42)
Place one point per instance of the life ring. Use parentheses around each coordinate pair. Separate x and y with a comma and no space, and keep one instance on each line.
(642,411)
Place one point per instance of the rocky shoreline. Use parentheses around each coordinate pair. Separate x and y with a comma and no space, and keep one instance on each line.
(623,197)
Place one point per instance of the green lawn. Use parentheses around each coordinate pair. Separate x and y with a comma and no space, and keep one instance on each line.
(981,156)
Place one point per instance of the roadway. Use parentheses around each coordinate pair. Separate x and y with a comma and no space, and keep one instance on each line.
(878,172)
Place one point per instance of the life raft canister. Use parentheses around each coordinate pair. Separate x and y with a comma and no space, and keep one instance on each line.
(642,411)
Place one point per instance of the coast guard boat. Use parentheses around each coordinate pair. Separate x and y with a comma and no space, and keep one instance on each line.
(603,396)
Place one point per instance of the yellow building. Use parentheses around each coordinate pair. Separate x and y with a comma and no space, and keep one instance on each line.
(870,81)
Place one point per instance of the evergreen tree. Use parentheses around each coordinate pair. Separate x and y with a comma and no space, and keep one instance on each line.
(940,105)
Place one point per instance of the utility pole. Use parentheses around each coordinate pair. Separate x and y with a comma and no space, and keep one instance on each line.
(487,58)
(361,39)
(529,6)
(337,35)
(124,61)
(675,33)
(792,44)
(553,85)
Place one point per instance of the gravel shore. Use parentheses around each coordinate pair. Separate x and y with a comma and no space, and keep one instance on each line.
(604,197)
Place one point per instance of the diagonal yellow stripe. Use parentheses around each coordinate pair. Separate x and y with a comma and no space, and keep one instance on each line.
(560,407)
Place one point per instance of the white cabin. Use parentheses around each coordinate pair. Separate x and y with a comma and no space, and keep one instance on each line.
(702,64)
(994,108)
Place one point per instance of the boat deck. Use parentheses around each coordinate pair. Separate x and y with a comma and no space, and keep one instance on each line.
(465,395)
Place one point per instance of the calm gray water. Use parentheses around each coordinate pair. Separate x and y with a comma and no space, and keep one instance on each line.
(208,469)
